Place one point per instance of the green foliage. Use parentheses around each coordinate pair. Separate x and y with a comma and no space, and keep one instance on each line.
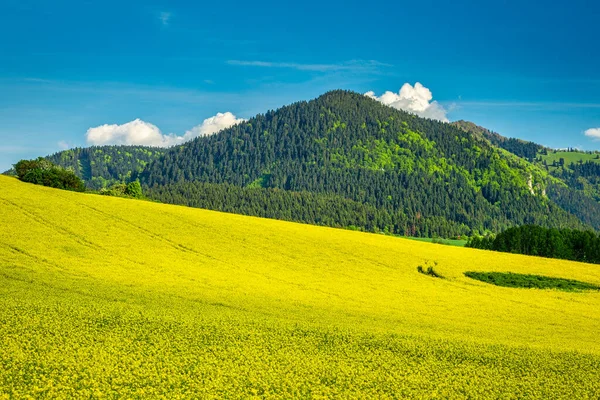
(509,279)
(131,190)
(43,172)
(260,182)
(440,178)
(577,202)
(571,156)
(134,189)
(581,193)
(567,244)
(455,241)
(101,167)
(313,208)
(521,148)
(118,190)
(577,189)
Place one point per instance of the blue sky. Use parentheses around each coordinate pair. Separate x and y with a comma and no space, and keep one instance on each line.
(524,70)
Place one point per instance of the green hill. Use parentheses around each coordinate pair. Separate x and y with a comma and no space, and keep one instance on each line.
(109,297)
(519,147)
(345,160)
(422,177)
(576,188)
(102,166)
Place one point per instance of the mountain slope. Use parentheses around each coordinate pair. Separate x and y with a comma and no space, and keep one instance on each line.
(576,188)
(424,177)
(102,166)
(522,148)
(108,297)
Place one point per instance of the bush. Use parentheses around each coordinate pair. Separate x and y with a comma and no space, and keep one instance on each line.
(132,189)
(43,172)
(509,279)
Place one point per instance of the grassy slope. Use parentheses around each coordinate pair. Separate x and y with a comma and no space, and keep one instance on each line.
(569,157)
(106,296)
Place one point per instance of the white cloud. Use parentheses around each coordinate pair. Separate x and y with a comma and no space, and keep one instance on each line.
(213,125)
(415,99)
(138,132)
(593,133)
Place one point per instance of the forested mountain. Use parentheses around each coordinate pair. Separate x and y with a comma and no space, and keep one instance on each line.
(346,160)
(419,176)
(577,189)
(102,166)
(519,147)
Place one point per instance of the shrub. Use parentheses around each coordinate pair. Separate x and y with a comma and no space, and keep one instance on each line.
(509,279)
(132,189)
(43,172)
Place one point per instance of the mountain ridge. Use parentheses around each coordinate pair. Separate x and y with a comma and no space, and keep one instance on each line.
(346,144)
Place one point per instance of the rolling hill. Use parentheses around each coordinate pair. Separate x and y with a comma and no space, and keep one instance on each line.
(422,177)
(345,160)
(522,148)
(104,297)
(576,187)
(102,166)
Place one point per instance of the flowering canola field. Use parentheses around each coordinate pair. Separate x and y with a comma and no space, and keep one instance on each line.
(105,297)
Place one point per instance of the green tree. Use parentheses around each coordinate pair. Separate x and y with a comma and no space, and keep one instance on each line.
(43,172)
(134,189)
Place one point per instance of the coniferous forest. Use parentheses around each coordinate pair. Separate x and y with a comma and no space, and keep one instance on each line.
(345,160)
(425,177)
(103,166)
(567,244)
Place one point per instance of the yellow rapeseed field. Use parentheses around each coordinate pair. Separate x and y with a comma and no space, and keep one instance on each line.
(109,297)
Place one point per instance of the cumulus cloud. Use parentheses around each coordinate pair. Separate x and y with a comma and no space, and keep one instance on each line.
(415,99)
(138,132)
(593,133)
(213,125)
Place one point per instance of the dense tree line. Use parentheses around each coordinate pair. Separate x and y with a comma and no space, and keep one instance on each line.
(347,145)
(312,208)
(519,147)
(414,172)
(129,190)
(583,177)
(327,209)
(588,169)
(522,148)
(104,166)
(568,244)
(585,207)
(43,172)
(582,192)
